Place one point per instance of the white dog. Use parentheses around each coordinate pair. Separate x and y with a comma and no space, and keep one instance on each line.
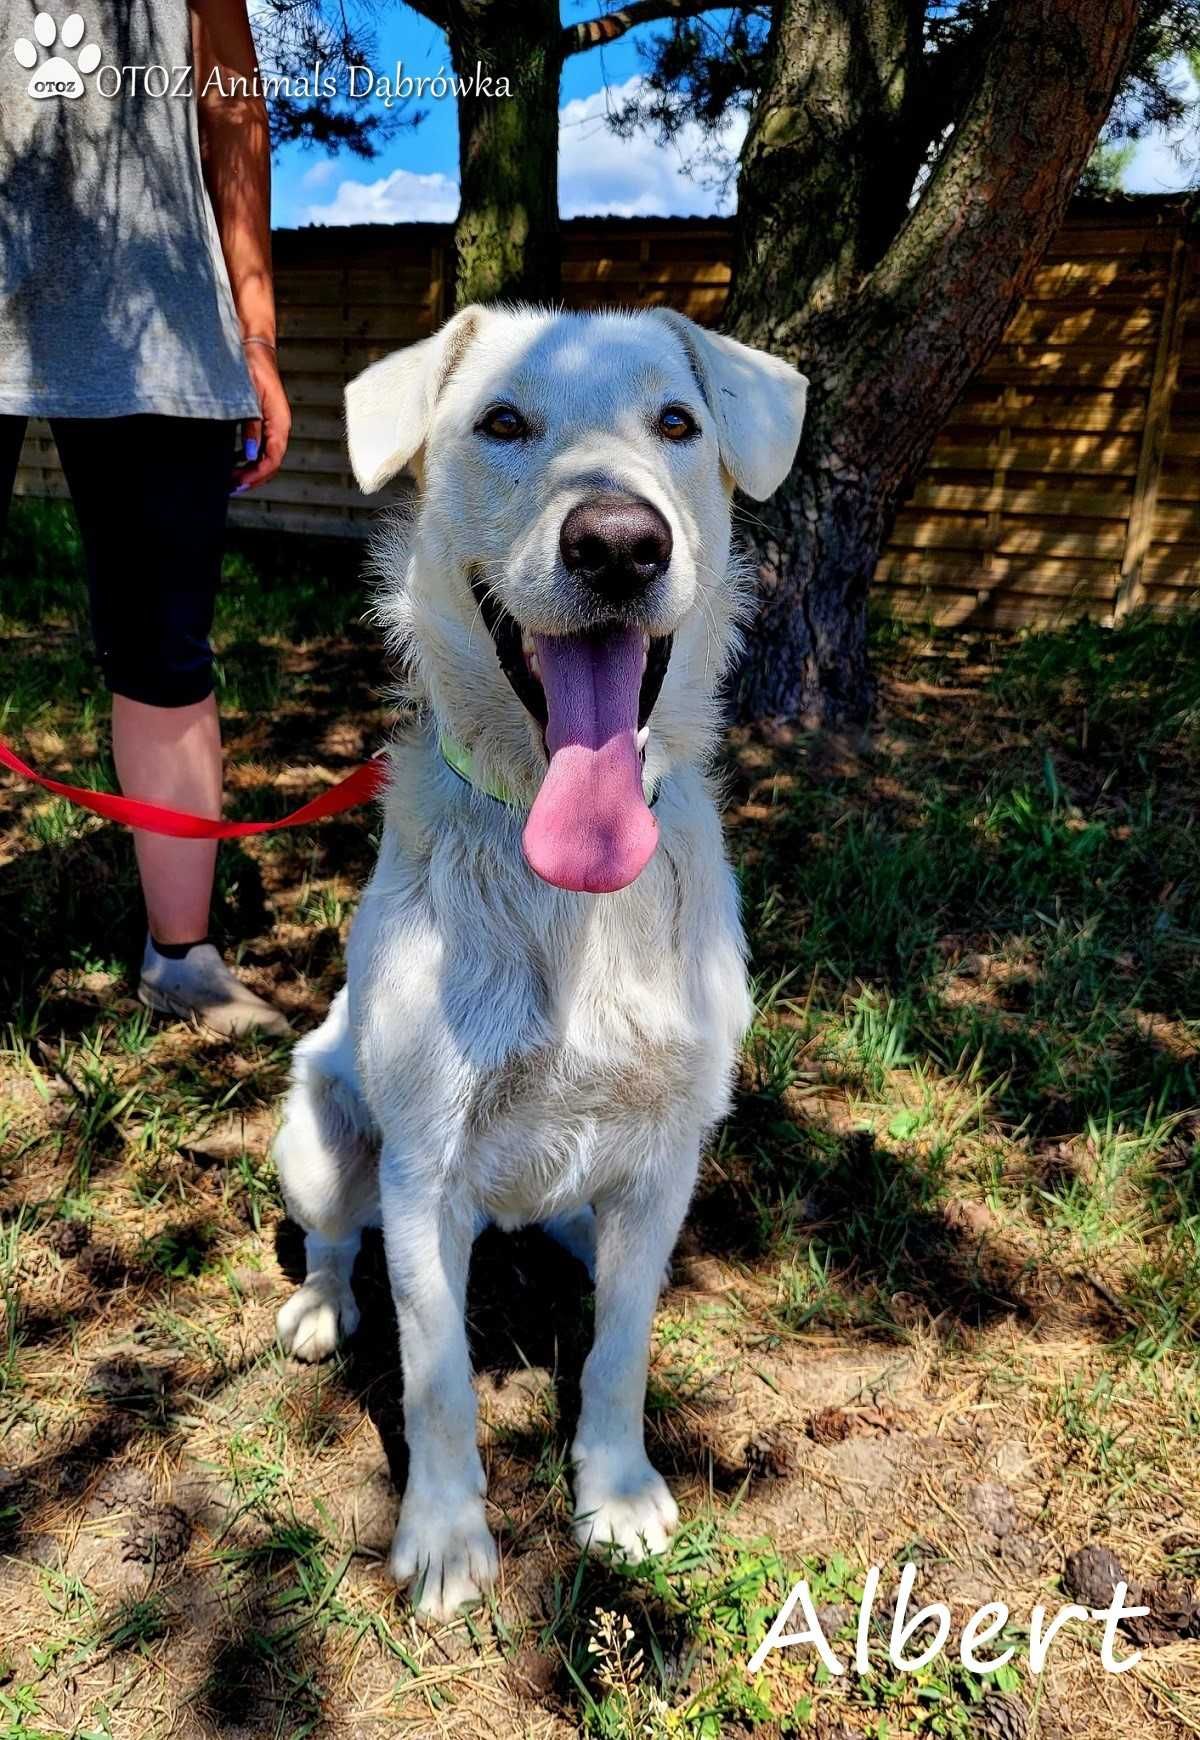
(546,979)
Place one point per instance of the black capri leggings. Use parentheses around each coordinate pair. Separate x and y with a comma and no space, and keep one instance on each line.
(150,494)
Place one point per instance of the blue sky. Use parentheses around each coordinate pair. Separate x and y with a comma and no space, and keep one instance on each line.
(415,176)
(1161,164)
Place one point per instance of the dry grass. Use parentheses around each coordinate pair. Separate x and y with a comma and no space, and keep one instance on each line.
(937,1300)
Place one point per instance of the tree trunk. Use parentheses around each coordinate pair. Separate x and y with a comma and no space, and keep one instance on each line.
(889,336)
(831,140)
(507,236)
(806,650)
(834,121)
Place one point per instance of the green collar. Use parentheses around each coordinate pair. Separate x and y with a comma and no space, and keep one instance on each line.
(459,760)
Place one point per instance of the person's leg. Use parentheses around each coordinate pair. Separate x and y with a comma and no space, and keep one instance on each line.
(172,755)
(151,494)
(12,439)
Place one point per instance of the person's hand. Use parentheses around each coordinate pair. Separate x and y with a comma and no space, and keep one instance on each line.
(264,438)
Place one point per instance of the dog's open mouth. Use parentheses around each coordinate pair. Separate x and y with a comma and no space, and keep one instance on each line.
(590,828)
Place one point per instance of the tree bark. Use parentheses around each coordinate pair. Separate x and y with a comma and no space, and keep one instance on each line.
(507,235)
(830,157)
(817,543)
(889,334)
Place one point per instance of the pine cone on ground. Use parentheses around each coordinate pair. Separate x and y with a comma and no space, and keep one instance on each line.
(158,1534)
(1091,1575)
(769,1455)
(1174,1613)
(1001,1718)
(829,1728)
(68,1237)
(830,1426)
(992,1507)
(121,1488)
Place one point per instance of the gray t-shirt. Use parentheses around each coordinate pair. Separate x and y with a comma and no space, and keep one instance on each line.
(114,298)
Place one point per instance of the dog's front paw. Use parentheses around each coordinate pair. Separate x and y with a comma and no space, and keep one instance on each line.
(622,1502)
(444,1549)
(316,1317)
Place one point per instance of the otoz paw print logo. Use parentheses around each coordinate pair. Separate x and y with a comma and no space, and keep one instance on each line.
(56,77)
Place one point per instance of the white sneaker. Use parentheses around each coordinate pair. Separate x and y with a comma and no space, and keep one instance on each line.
(201,988)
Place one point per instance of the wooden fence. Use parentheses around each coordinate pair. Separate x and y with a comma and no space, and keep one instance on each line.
(1064,483)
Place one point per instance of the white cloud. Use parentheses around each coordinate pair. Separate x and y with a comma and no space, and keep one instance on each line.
(400,197)
(1160,165)
(598,174)
(1163,163)
(321,173)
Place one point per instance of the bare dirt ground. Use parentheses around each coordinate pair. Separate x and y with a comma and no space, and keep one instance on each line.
(936,1302)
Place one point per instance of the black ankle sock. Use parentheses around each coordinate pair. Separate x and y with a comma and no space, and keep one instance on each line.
(176,951)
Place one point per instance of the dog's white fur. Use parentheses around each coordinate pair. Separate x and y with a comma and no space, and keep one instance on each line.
(506,1051)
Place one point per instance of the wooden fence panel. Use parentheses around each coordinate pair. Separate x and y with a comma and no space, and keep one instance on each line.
(1065,482)
(1054,461)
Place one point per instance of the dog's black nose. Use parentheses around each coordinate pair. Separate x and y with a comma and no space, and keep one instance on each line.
(616,544)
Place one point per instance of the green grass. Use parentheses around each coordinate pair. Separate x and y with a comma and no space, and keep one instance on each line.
(1060,897)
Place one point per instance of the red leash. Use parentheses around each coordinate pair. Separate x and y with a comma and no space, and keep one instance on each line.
(357,788)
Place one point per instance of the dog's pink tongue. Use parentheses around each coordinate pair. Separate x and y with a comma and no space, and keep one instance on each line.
(590,828)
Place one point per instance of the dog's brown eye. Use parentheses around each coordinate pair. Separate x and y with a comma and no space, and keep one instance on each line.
(676,423)
(503,423)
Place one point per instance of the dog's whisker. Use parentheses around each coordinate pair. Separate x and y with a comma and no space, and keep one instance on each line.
(742,515)
(488,595)
(713,636)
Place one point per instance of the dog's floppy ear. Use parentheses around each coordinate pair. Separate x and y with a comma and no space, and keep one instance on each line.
(388,406)
(756,399)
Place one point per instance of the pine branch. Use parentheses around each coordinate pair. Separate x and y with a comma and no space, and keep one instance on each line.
(595,32)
